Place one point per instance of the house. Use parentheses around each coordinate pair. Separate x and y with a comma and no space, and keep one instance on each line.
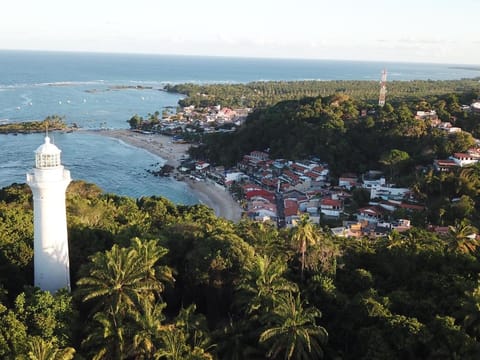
(444,165)
(371,178)
(295,194)
(371,214)
(331,207)
(447,127)
(401,225)
(262,210)
(429,116)
(475,107)
(201,166)
(464,159)
(387,193)
(235,176)
(348,181)
(259,155)
(309,206)
(349,229)
(264,194)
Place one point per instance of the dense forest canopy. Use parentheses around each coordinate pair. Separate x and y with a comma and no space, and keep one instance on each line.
(346,133)
(157,281)
(152,280)
(265,93)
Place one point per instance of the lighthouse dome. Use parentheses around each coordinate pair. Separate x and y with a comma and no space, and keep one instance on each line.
(47,155)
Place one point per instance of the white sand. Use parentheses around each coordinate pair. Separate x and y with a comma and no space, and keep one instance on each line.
(208,193)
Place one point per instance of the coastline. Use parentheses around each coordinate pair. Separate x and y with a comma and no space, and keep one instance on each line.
(208,193)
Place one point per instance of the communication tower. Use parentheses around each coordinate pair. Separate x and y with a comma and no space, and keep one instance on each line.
(383,88)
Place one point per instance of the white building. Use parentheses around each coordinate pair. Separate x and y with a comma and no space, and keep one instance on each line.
(49,181)
(464,159)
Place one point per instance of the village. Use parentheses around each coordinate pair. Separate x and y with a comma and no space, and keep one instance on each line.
(281,191)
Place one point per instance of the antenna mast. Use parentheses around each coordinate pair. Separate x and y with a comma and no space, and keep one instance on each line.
(383,89)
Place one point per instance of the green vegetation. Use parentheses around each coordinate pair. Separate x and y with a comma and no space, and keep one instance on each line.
(262,94)
(332,129)
(159,281)
(54,122)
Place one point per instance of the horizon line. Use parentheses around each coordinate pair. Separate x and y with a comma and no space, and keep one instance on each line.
(246,57)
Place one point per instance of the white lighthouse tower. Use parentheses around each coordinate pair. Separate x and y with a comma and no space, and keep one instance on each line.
(49,181)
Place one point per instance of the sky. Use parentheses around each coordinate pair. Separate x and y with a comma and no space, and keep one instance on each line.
(438,31)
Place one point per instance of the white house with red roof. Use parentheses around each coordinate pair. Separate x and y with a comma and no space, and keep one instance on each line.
(464,159)
(372,214)
(331,207)
(201,166)
(444,165)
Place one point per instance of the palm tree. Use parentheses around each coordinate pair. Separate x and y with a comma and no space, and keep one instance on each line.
(304,235)
(293,333)
(118,279)
(462,238)
(40,349)
(148,324)
(264,283)
(173,344)
(107,339)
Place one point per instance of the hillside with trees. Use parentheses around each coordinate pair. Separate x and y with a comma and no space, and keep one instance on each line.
(152,280)
(333,129)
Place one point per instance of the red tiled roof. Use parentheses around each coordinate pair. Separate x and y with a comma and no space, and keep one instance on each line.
(312,175)
(262,193)
(461,155)
(331,202)
(291,207)
(412,207)
(446,162)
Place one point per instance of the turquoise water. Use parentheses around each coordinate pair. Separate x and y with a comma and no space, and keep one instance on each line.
(94,91)
(111,164)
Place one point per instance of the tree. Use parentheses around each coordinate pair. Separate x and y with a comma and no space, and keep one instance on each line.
(304,235)
(264,284)
(394,158)
(462,238)
(293,332)
(135,121)
(51,317)
(108,338)
(119,278)
(39,349)
(148,324)
(13,334)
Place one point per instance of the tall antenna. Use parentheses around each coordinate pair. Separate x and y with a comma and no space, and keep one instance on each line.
(383,88)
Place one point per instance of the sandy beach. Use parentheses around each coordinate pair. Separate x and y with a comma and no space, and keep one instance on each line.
(208,193)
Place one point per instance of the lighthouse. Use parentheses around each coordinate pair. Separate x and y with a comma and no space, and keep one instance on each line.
(49,181)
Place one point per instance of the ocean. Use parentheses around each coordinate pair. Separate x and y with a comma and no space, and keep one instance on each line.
(104,90)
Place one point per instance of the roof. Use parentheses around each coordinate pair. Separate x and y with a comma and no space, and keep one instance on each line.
(291,207)
(48,148)
(262,193)
(412,207)
(461,155)
(331,202)
(371,210)
(445,162)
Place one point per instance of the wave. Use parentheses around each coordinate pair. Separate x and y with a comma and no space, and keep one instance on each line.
(54,83)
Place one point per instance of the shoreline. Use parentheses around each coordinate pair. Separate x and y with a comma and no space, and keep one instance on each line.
(207,193)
